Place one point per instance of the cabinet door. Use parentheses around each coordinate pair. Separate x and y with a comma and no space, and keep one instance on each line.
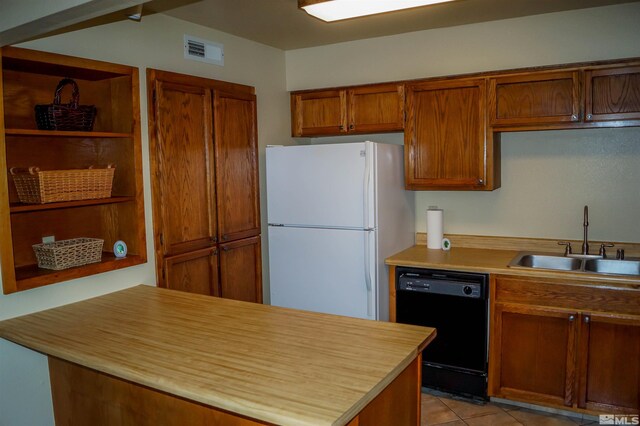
(533,352)
(236,148)
(319,113)
(609,363)
(534,98)
(445,135)
(377,108)
(194,272)
(612,94)
(241,270)
(184,197)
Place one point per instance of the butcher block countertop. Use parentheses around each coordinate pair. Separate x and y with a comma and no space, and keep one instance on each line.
(271,364)
(495,261)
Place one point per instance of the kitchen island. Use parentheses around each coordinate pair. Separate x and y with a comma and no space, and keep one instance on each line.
(147,355)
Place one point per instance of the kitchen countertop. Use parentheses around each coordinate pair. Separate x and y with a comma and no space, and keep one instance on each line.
(495,262)
(272,364)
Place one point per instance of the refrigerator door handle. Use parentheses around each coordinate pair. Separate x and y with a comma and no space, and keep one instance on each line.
(367,272)
(367,183)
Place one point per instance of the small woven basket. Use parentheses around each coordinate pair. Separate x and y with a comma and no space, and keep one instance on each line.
(38,187)
(71,116)
(66,254)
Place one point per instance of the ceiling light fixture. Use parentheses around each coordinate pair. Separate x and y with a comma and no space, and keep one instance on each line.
(336,10)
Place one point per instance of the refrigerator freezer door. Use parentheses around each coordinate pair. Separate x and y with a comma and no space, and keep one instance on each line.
(323,270)
(321,185)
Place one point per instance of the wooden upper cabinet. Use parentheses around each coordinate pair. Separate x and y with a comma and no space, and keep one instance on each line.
(236,154)
(363,109)
(184,170)
(193,272)
(612,94)
(446,140)
(377,108)
(534,98)
(319,113)
(241,270)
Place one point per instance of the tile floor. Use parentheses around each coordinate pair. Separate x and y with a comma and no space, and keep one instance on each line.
(440,409)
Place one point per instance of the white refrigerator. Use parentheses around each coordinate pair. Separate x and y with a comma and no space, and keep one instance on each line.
(335,212)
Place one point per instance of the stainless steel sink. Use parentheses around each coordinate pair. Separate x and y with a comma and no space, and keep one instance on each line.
(542,261)
(576,263)
(610,266)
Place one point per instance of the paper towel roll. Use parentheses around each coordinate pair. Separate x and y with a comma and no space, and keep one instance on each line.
(435,228)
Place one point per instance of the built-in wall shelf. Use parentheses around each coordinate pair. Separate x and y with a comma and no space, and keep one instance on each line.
(23,208)
(66,134)
(30,78)
(30,276)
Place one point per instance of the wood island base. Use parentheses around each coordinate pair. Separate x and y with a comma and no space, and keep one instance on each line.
(82,396)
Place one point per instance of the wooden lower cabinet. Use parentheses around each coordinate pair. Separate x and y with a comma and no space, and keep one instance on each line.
(537,347)
(609,367)
(566,345)
(232,270)
(195,272)
(241,270)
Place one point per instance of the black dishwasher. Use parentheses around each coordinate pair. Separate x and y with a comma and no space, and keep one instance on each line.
(456,304)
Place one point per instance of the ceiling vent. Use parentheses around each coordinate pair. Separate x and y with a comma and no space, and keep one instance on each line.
(203,50)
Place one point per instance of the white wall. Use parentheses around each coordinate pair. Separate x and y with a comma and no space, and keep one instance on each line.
(156,42)
(547,177)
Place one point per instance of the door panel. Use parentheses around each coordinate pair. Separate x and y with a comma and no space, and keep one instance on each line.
(612,94)
(194,272)
(609,376)
(186,199)
(321,270)
(319,113)
(377,108)
(236,166)
(317,185)
(241,270)
(552,97)
(537,347)
(445,136)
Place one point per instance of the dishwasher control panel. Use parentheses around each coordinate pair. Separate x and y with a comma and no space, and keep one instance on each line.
(440,285)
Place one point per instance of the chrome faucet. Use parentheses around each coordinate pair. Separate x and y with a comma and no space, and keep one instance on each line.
(585,241)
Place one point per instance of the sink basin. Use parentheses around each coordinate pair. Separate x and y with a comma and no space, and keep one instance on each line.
(576,263)
(610,266)
(542,261)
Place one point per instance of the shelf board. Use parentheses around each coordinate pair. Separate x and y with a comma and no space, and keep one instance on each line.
(65,133)
(23,208)
(31,276)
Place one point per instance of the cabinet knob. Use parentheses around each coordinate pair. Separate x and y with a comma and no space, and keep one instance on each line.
(572,317)
(341,127)
(589,116)
(587,319)
(574,117)
(214,239)
(481,181)
(224,237)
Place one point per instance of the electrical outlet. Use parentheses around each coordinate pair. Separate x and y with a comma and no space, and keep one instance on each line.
(48,239)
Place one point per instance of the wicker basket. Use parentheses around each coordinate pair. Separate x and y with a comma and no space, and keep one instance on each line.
(71,116)
(68,253)
(39,187)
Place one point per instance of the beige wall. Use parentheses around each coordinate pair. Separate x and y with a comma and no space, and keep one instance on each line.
(547,176)
(156,42)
